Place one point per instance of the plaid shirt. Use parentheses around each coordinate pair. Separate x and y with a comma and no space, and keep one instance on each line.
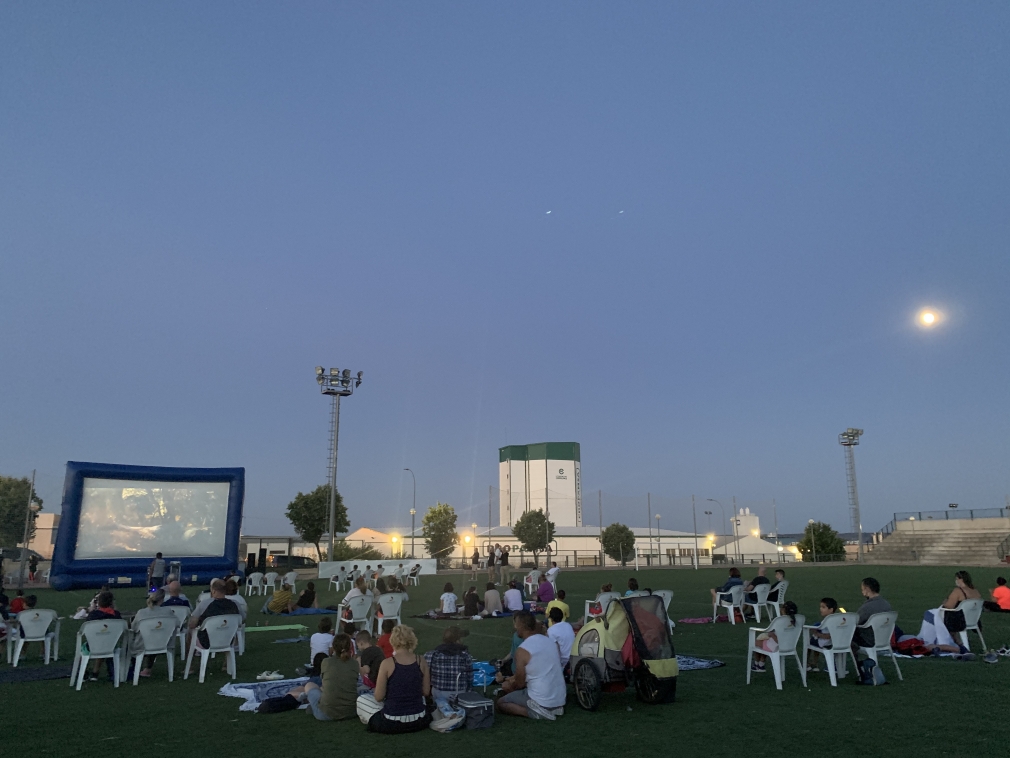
(447,663)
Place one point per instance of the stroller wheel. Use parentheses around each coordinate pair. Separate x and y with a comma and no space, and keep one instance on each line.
(653,691)
(588,687)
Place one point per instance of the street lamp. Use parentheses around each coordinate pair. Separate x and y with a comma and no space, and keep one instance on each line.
(722,511)
(336,384)
(413,510)
(813,542)
(849,439)
(915,553)
(709,514)
(659,545)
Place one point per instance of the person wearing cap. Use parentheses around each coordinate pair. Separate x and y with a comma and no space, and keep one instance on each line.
(450,663)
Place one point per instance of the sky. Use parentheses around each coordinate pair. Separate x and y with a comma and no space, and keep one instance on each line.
(692,237)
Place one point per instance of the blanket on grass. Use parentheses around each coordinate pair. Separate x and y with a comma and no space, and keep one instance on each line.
(34,674)
(690,663)
(255,693)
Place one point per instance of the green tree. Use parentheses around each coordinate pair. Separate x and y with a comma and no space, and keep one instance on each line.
(618,542)
(534,531)
(309,514)
(344,551)
(438,527)
(829,546)
(13,504)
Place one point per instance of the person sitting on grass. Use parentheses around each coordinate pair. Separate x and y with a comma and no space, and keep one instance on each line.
(559,602)
(1000,602)
(370,657)
(873,604)
(545,590)
(492,600)
(388,625)
(562,633)
(322,640)
(769,640)
(281,600)
(450,664)
(174,595)
(537,690)
(632,587)
(513,597)
(471,603)
(404,681)
(722,594)
(307,597)
(335,697)
(447,602)
(105,610)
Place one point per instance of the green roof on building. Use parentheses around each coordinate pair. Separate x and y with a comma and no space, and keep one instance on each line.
(539,451)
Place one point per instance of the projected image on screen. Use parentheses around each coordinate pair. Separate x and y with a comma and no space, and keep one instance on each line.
(135,519)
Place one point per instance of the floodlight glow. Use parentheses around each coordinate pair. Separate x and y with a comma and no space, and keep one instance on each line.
(927,318)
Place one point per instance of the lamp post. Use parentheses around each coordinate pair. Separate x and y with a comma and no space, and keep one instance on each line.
(721,510)
(336,384)
(30,512)
(849,439)
(813,541)
(413,510)
(659,545)
(709,514)
(915,553)
(473,526)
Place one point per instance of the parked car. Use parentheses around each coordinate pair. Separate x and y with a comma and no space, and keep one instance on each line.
(284,563)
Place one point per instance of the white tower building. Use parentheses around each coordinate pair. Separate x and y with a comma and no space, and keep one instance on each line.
(545,476)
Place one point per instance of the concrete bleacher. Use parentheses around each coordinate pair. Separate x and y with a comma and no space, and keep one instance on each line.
(967,542)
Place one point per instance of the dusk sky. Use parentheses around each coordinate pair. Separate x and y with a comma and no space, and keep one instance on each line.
(693,238)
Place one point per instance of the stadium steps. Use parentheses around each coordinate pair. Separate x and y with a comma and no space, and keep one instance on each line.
(975,547)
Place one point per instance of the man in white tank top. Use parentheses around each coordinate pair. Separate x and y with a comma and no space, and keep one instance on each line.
(538,688)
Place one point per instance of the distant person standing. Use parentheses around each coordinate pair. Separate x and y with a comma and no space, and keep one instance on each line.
(33,567)
(156,573)
(490,564)
(474,564)
(505,570)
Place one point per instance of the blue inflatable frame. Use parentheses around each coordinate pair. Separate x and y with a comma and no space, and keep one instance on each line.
(70,573)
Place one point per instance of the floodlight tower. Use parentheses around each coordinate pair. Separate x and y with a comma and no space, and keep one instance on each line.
(849,439)
(336,384)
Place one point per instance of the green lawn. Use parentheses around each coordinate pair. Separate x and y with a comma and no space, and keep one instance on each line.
(715,713)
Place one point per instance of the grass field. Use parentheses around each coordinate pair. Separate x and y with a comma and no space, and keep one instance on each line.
(715,712)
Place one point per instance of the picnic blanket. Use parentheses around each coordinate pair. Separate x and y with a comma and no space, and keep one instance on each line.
(308,612)
(34,674)
(255,693)
(706,620)
(290,640)
(276,628)
(690,663)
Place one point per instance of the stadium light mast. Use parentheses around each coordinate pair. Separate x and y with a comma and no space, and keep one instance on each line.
(336,384)
(849,439)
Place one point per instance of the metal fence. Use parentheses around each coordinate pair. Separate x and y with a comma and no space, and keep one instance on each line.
(523,561)
(951,514)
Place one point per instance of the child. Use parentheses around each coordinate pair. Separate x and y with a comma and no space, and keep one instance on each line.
(383,642)
(822,639)
(448,600)
(321,641)
(19,602)
(370,657)
(769,641)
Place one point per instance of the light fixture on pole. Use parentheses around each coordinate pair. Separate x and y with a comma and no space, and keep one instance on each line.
(336,384)
(915,553)
(849,439)
(473,526)
(813,542)
(722,511)
(413,510)
(659,545)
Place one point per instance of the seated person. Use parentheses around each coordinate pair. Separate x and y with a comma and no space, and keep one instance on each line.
(450,664)
(218,605)
(471,603)
(632,586)
(231,592)
(492,600)
(605,588)
(383,642)
(370,656)
(513,597)
(562,633)
(818,638)
(174,596)
(545,590)
(448,600)
(769,640)
(360,588)
(760,579)
(18,603)
(153,609)
(537,689)
(559,602)
(280,601)
(937,635)
(307,597)
(207,597)
(773,593)
(552,572)
(873,604)
(1000,602)
(336,697)
(106,609)
(415,571)
(404,681)
(322,640)
(722,594)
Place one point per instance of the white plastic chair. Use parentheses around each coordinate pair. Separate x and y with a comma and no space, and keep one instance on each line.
(761,601)
(780,601)
(552,577)
(291,579)
(972,610)
(182,614)
(842,628)
(788,635)
(531,582)
(398,573)
(389,604)
(882,626)
(604,600)
(271,580)
(732,605)
(254,584)
(361,611)
(37,627)
(157,635)
(667,596)
(374,576)
(221,633)
(414,577)
(337,579)
(106,639)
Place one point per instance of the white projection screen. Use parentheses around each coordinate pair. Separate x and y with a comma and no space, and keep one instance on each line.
(122,518)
